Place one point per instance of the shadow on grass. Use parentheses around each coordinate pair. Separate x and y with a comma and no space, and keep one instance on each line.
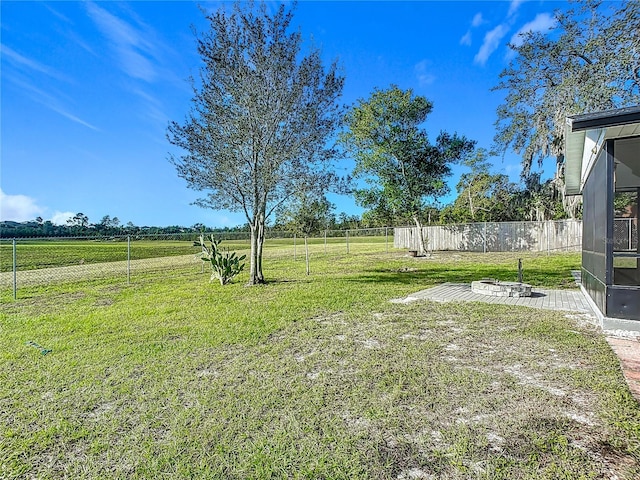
(435,275)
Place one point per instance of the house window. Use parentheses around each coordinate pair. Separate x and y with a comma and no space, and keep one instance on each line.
(626,249)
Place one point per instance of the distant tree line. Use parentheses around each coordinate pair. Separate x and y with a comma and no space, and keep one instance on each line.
(80,226)
(481,197)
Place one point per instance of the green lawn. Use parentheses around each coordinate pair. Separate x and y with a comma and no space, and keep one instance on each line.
(310,377)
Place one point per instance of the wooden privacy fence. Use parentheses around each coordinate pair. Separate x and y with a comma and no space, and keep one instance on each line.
(559,235)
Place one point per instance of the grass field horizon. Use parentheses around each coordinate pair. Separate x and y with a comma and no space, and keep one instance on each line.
(315,376)
(59,252)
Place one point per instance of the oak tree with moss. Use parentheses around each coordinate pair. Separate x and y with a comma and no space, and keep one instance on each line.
(589,61)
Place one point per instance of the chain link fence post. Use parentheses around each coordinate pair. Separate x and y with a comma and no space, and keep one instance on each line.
(386,238)
(128,259)
(15,270)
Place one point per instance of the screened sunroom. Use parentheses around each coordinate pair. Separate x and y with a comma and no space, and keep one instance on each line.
(602,163)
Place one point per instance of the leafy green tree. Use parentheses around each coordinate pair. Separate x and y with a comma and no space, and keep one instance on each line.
(78,223)
(625,204)
(348,222)
(481,194)
(589,61)
(105,221)
(130,228)
(403,169)
(488,199)
(48,228)
(260,120)
(78,220)
(108,225)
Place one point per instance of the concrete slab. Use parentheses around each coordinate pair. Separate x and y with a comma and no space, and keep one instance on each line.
(569,300)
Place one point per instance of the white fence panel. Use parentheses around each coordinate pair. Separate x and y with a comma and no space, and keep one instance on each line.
(560,235)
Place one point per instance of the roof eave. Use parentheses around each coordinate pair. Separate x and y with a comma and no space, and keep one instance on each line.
(609,118)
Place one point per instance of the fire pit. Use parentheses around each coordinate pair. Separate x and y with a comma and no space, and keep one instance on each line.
(496,288)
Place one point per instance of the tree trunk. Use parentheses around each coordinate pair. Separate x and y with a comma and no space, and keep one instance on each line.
(253,264)
(421,236)
(257,240)
(261,232)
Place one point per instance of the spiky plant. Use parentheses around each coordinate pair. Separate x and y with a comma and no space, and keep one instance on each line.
(224,264)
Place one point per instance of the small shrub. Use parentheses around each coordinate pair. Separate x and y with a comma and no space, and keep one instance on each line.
(224,264)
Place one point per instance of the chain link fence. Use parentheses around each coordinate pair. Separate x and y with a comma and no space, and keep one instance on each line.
(49,261)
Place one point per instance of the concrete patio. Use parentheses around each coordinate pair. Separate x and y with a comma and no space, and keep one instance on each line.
(570,300)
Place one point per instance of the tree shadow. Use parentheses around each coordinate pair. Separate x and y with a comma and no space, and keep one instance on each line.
(438,274)
(493,237)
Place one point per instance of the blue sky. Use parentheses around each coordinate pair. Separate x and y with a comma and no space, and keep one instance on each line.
(87,90)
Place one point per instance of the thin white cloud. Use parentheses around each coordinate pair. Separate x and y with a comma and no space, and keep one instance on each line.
(70,116)
(514,6)
(25,68)
(424,76)
(491,43)
(57,14)
(132,47)
(79,41)
(49,101)
(466,39)
(18,208)
(477,20)
(542,23)
(24,63)
(152,109)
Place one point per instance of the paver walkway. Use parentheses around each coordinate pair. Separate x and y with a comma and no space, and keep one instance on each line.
(627,349)
(570,300)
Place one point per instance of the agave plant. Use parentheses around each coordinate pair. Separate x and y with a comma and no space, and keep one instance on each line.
(224,264)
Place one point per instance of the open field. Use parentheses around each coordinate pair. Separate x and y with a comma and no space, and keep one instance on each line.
(310,377)
(39,254)
(46,263)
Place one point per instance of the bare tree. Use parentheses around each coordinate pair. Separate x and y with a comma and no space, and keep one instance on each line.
(260,119)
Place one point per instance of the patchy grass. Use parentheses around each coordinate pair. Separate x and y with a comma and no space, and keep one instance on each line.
(310,377)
